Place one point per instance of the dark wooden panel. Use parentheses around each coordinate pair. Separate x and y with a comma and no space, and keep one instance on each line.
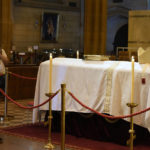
(19,88)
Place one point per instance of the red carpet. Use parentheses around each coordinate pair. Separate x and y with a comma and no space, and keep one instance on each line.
(40,133)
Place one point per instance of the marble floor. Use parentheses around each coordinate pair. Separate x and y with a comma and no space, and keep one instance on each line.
(14,115)
(18,116)
(17,143)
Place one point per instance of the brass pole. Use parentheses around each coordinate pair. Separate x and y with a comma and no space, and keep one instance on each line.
(6,117)
(49,145)
(131,131)
(63,87)
(6,90)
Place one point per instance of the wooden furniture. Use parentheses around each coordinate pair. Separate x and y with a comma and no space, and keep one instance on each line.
(20,88)
(124,55)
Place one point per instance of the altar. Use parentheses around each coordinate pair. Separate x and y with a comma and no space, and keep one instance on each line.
(104,86)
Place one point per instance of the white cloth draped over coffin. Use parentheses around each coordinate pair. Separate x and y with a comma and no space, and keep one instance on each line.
(104,86)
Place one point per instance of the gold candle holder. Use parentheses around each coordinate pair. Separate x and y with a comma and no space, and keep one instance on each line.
(131,131)
(49,145)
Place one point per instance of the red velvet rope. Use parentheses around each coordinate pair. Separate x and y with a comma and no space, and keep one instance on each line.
(23,77)
(24,107)
(107,116)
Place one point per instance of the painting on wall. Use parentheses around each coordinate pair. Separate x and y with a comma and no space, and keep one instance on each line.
(49,29)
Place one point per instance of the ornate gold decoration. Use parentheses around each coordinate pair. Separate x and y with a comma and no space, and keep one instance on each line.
(109,87)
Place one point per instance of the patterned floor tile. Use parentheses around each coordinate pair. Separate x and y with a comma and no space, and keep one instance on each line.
(15,114)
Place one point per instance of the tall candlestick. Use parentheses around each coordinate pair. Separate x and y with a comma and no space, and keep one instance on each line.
(132,86)
(50,73)
(77,54)
(50,145)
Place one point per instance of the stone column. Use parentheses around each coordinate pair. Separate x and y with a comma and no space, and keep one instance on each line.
(95,26)
(5,24)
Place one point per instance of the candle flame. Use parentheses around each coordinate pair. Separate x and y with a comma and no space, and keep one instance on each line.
(50,55)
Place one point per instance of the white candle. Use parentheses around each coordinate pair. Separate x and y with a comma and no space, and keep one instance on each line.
(132,85)
(50,73)
(77,54)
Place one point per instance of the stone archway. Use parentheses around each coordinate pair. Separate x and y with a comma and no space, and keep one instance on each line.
(121,38)
(117,17)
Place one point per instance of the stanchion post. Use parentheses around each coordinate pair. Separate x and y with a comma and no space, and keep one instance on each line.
(49,145)
(63,88)
(6,92)
(131,131)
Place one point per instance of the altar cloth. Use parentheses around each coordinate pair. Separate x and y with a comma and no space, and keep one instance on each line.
(104,86)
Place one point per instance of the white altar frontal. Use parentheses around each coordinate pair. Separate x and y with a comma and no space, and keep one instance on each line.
(104,86)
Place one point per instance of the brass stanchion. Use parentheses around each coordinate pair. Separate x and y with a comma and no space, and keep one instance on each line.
(5,117)
(6,90)
(49,145)
(131,131)
(63,87)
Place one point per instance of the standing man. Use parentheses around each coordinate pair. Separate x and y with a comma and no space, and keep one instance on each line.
(3,61)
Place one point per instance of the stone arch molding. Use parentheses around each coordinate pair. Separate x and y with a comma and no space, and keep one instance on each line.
(117,17)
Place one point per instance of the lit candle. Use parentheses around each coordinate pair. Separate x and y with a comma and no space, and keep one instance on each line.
(50,73)
(77,54)
(132,86)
